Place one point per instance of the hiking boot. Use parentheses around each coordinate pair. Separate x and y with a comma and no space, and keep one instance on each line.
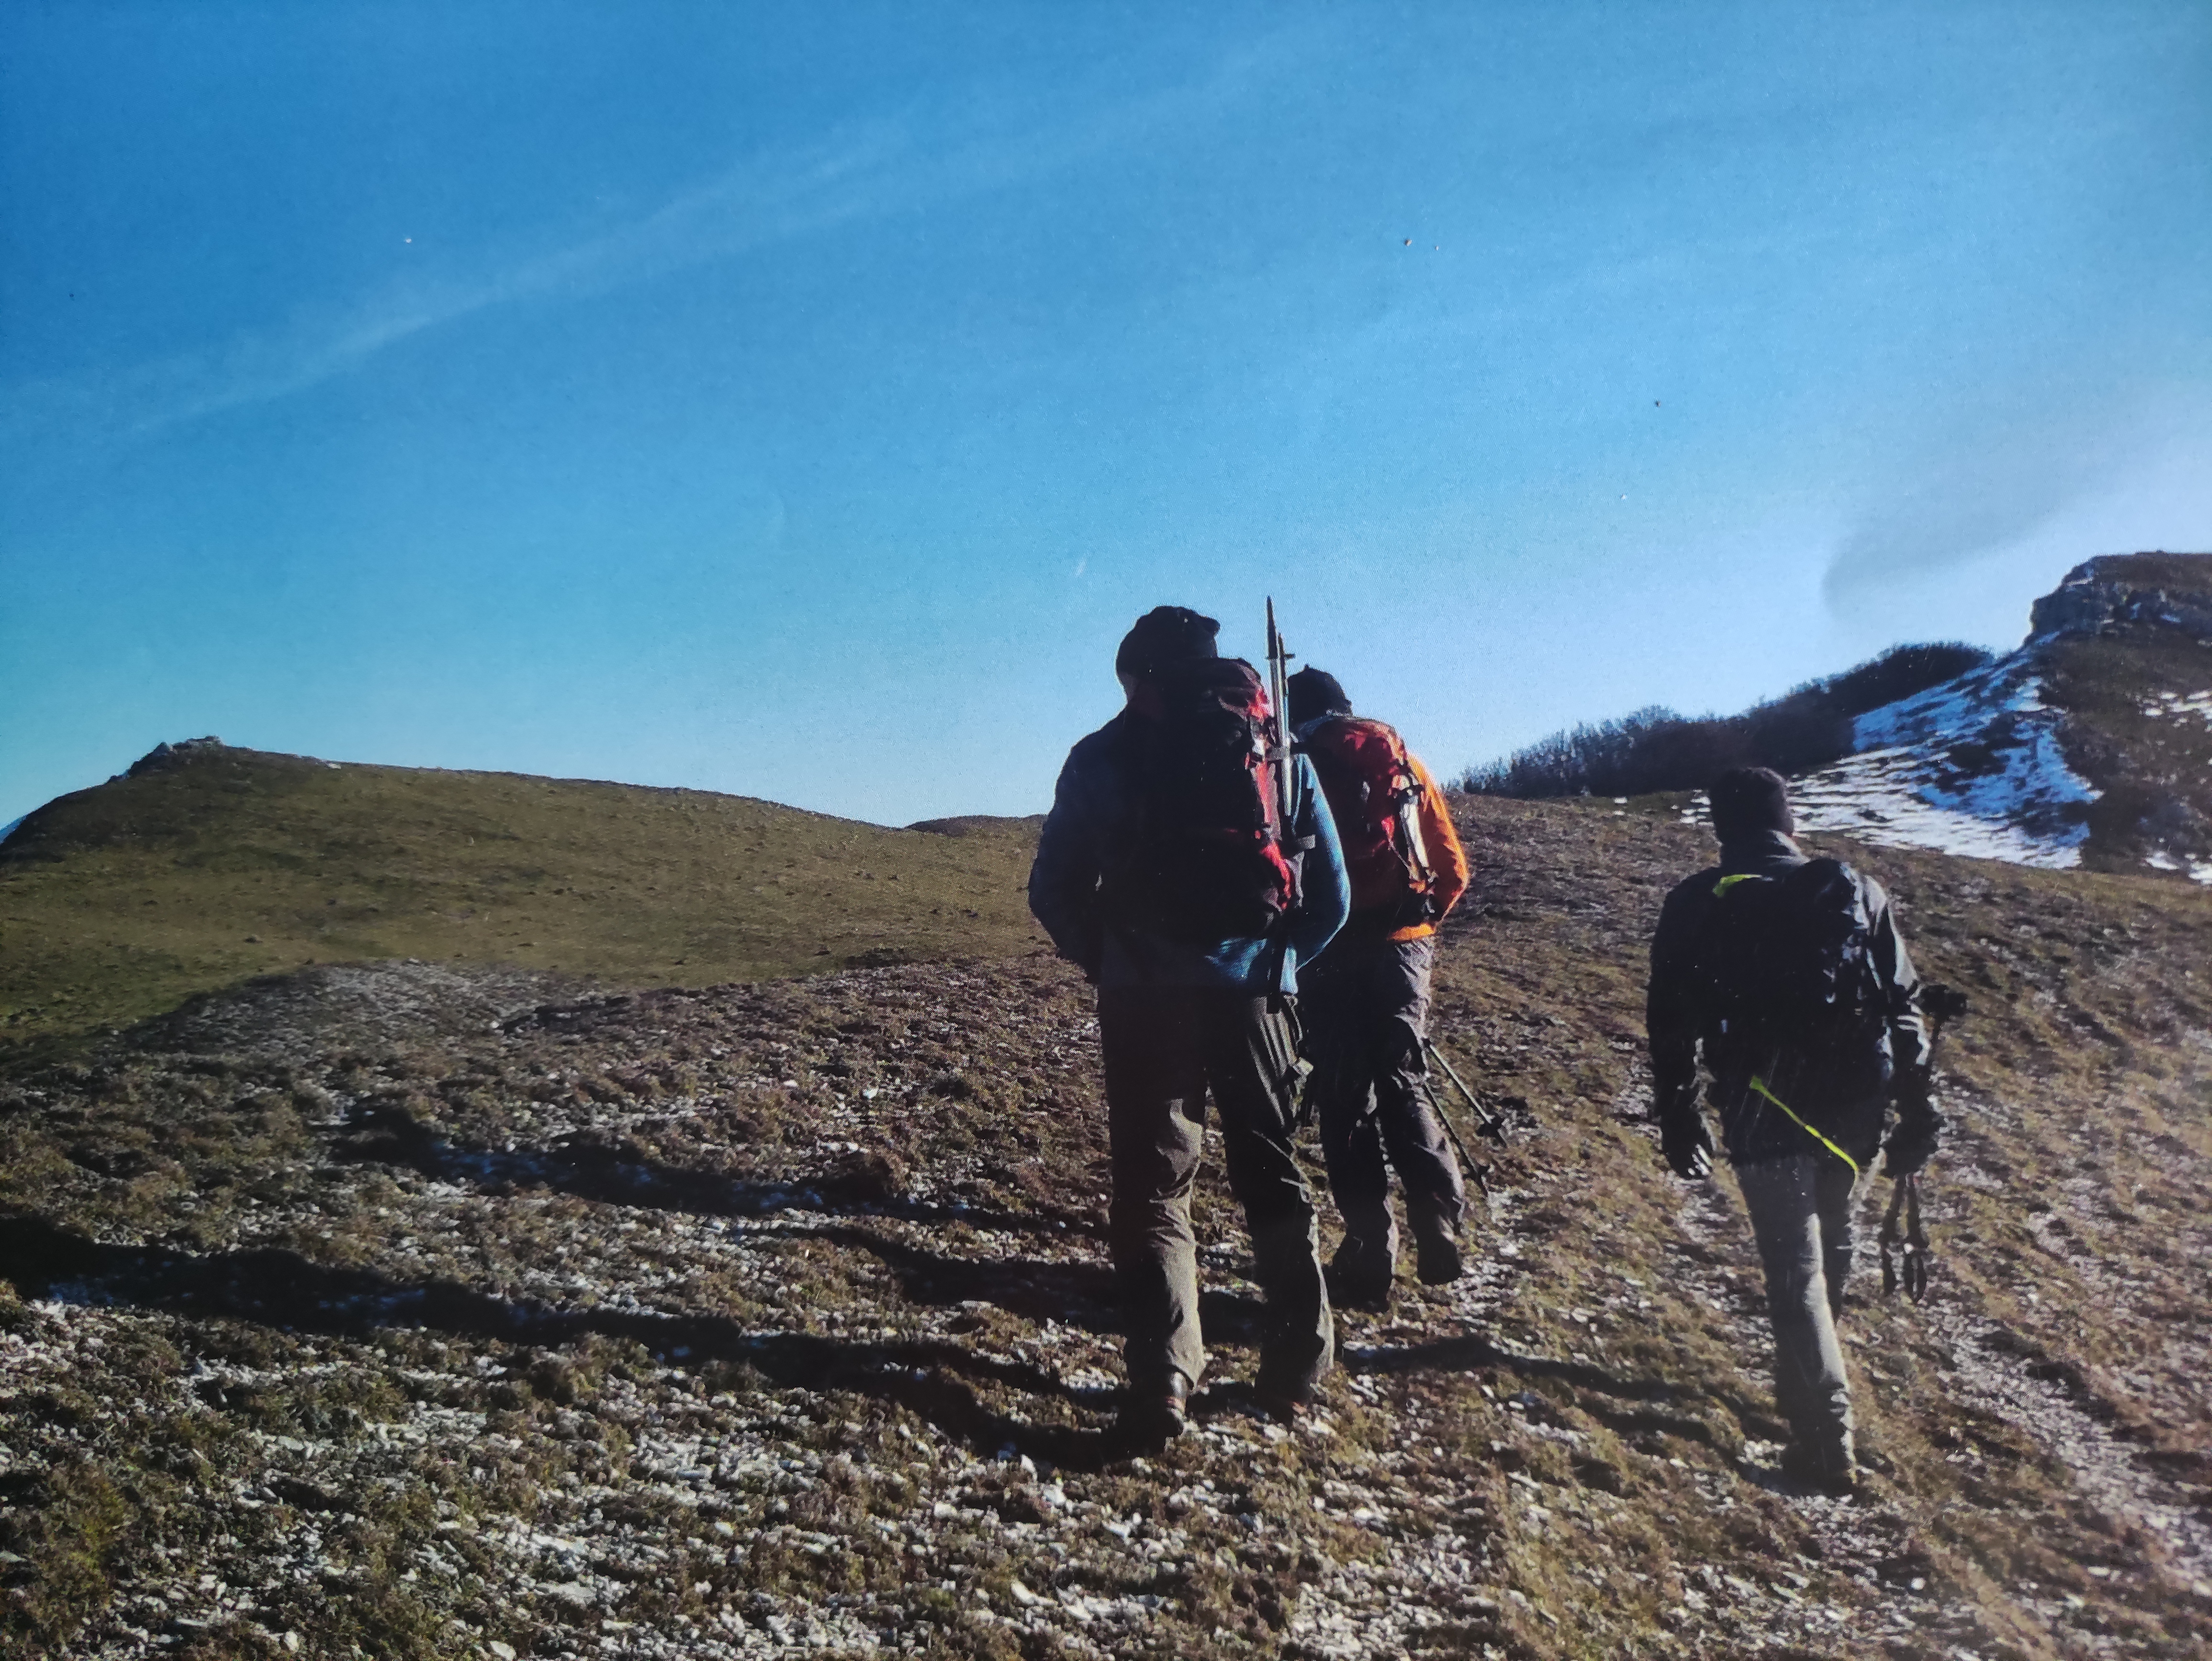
(1831,1471)
(1437,1261)
(1149,1420)
(1359,1276)
(1363,1292)
(1285,1406)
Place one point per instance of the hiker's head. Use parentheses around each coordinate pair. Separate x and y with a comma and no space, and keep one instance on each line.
(1164,634)
(1748,800)
(1315,693)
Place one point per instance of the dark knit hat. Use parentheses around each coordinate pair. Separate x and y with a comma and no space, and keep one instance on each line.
(1749,799)
(1166,634)
(1315,693)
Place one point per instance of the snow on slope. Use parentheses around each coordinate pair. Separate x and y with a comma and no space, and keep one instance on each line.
(2179,708)
(1970,767)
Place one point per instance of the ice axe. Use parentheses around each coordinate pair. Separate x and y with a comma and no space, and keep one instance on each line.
(1282,797)
(1279,695)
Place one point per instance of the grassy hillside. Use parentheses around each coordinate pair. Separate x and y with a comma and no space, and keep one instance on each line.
(2139,727)
(417,1310)
(216,864)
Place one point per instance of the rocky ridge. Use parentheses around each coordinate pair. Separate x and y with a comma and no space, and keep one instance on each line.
(2090,740)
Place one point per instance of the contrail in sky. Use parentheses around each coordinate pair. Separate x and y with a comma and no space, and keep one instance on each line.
(761,202)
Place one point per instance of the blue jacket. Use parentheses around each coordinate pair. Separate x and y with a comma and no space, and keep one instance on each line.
(1092,808)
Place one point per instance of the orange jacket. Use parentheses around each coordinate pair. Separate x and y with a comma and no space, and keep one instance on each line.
(1447,858)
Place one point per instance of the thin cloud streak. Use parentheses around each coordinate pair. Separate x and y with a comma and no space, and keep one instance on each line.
(762,202)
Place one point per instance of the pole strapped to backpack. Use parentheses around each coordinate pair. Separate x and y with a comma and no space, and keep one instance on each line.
(1760,1085)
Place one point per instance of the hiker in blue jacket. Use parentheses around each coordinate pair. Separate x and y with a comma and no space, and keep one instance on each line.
(1151,877)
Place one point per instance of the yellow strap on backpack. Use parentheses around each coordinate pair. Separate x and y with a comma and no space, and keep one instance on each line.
(1760,1085)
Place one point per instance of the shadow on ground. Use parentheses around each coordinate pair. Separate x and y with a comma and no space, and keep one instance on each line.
(282,1289)
(590,1168)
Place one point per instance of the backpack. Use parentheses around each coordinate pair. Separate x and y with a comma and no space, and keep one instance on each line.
(1787,964)
(1375,796)
(1204,858)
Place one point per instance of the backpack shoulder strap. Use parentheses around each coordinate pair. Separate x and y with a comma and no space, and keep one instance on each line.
(1825,884)
(1818,873)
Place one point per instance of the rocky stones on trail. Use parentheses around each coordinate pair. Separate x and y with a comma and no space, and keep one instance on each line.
(435,1311)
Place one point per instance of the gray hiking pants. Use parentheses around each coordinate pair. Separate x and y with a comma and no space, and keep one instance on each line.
(1164,1046)
(1366,1004)
(1800,1211)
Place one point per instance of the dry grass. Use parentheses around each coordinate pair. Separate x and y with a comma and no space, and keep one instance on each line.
(2154,770)
(836,1244)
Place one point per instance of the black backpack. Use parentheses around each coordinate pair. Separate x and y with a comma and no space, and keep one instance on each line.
(1786,964)
(1204,858)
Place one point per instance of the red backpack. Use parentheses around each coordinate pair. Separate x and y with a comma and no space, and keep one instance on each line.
(1375,796)
(1204,858)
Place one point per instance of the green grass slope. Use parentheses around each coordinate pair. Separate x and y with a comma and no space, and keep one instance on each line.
(215,864)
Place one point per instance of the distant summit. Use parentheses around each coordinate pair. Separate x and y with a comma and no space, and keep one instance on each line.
(2117,593)
(162,756)
(205,864)
(2091,744)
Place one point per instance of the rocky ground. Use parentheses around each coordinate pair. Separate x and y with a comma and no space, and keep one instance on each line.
(404,1310)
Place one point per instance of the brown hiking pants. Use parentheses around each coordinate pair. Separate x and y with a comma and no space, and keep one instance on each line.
(1164,1046)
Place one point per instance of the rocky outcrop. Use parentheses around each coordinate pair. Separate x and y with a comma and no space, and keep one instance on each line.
(2088,745)
(2116,593)
(164,756)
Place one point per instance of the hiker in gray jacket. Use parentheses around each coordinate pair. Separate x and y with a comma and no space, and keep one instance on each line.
(1788,978)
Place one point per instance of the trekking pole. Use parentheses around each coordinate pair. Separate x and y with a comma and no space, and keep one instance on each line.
(1491,1127)
(1942,1004)
(1480,1172)
(1910,1243)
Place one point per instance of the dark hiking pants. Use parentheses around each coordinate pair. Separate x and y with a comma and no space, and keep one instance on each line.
(1800,1211)
(1365,1006)
(1164,1046)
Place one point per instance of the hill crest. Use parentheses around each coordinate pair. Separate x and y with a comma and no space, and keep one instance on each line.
(206,864)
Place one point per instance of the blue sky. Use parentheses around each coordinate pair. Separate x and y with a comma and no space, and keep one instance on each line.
(800,401)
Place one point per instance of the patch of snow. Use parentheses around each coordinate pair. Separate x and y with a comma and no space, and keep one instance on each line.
(2198,870)
(1970,767)
(2165,705)
(1955,709)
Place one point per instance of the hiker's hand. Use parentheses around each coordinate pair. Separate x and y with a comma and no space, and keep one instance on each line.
(1687,1147)
(1920,1128)
(1909,1148)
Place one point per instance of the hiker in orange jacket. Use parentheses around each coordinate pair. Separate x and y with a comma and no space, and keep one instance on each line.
(1365,999)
